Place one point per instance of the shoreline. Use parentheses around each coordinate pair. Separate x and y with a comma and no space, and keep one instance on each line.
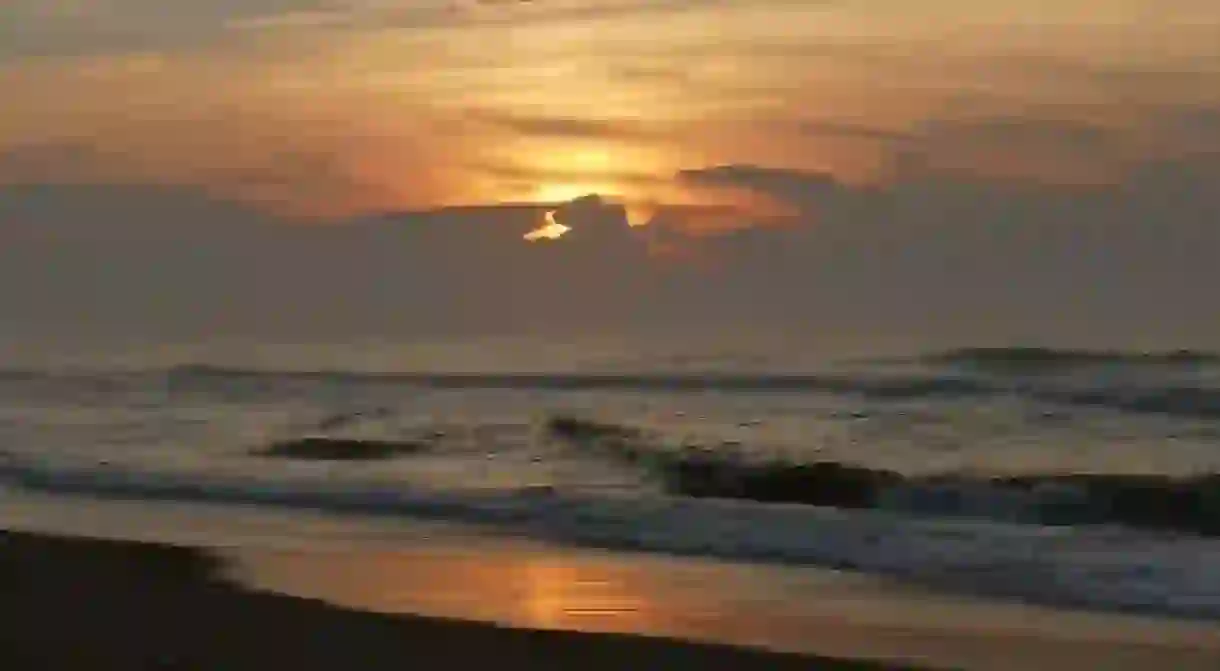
(76,603)
(450,572)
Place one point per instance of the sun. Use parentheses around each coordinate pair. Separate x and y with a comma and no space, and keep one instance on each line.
(551,230)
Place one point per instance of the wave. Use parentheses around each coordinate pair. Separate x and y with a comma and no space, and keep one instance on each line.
(1046,359)
(22,375)
(1141,383)
(1179,504)
(1015,360)
(1177,400)
(1102,568)
(891,385)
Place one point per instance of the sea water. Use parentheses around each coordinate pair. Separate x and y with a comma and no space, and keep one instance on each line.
(191,433)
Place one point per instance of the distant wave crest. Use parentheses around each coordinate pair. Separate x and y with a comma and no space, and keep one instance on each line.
(1182,383)
(1171,397)
(1033,359)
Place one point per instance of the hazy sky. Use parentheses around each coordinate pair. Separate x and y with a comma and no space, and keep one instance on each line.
(334,169)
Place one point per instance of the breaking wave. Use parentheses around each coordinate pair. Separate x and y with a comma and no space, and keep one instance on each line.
(1104,567)
(1182,504)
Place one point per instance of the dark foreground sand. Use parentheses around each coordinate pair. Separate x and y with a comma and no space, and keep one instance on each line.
(100,605)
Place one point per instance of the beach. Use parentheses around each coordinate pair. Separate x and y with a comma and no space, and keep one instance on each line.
(609,334)
(102,605)
(92,584)
(884,516)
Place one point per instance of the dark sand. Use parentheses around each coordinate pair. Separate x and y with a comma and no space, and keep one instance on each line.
(101,605)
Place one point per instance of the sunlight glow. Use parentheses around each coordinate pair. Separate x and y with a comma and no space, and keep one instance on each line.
(552,230)
(562,192)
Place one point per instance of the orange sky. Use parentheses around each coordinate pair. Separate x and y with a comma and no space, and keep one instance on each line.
(334,108)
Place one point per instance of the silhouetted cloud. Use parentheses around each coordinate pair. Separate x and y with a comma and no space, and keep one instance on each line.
(46,162)
(587,218)
(591,210)
(1032,148)
(1017,134)
(694,219)
(1191,128)
(800,188)
(929,256)
(171,261)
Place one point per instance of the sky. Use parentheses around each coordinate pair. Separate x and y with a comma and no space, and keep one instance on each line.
(848,170)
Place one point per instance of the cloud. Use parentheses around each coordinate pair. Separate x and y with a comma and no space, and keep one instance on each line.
(174,262)
(803,189)
(38,28)
(654,74)
(562,127)
(994,258)
(543,11)
(697,219)
(1189,129)
(591,211)
(1029,147)
(1028,143)
(312,173)
(82,28)
(587,218)
(931,254)
(528,176)
(851,131)
(304,18)
(89,27)
(46,162)
(1016,132)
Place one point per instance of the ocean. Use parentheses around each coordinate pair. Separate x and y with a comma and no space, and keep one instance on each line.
(1062,477)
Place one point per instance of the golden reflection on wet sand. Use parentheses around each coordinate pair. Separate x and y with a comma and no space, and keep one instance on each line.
(521,589)
(806,611)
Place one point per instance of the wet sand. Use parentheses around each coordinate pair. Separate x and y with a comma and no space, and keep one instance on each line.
(791,609)
(71,603)
(439,577)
